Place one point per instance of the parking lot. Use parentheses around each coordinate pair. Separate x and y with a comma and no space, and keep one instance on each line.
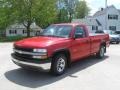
(88,74)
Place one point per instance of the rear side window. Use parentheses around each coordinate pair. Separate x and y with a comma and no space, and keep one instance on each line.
(80,32)
(99,32)
(117,32)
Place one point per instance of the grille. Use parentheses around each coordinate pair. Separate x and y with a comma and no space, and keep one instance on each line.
(23,49)
(25,56)
(115,39)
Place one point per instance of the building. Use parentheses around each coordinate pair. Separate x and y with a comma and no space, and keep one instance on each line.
(104,19)
(92,24)
(20,30)
(109,18)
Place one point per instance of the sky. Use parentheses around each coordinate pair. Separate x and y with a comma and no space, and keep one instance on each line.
(95,5)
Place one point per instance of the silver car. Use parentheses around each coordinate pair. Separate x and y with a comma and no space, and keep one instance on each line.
(114,38)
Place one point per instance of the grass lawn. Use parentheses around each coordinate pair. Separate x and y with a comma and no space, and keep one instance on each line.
(11,38)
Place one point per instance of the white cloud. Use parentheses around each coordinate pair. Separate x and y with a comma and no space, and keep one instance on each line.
(113,1)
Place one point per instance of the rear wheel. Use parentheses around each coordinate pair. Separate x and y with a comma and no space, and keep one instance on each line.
(59,64)
(101,52)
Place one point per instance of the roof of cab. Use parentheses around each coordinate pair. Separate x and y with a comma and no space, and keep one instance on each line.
(72,24)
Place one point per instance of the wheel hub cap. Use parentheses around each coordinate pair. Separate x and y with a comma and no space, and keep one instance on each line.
(60,64)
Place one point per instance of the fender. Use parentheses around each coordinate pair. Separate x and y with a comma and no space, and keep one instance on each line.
(60,50)
(63,50)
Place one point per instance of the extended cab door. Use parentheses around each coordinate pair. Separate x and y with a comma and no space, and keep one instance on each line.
(81,43)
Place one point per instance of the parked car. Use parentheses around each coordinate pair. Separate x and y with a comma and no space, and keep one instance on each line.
(117,32)
(59,45)
(114,38)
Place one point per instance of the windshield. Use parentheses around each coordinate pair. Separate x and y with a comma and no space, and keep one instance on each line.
(117,32)
(110,32)
(57,31)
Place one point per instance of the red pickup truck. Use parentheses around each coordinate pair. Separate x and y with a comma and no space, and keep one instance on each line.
(59,45)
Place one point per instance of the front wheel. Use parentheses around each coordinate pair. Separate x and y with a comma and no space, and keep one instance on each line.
(59,63)
(101,52)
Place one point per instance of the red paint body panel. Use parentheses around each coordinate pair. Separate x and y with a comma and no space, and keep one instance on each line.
(78,48)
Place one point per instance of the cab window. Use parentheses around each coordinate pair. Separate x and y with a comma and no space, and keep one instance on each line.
(80,32)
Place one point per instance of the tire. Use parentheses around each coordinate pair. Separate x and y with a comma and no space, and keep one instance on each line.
(101,52)
(59,64)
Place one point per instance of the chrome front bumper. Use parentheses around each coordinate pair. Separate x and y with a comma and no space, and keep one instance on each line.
(32,65)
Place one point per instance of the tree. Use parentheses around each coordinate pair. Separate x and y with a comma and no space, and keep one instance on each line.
(70,6)
(42,12)
(76,8)
(81,9)
(61,12)
(62,16)
(4,16)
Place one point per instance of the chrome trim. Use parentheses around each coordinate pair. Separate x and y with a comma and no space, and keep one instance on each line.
(45,65)
(28,53)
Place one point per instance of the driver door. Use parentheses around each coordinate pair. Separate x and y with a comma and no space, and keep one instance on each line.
(81,44)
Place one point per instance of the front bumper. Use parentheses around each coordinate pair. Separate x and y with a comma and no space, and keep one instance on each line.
(114,40)
(44,64)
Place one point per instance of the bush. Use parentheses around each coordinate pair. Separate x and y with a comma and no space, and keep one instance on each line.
(11,38)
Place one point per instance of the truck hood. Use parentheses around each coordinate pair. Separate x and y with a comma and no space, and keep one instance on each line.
(114,36)
(38,42)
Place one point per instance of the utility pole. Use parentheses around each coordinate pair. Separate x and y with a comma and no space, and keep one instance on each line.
(106,16)
(106,3)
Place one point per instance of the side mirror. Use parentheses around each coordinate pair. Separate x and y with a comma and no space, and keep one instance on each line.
(79,35)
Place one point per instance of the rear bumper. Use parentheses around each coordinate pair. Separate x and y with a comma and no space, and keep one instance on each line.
(44,64)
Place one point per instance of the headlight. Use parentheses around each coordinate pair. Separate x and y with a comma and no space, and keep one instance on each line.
(40,50)
(42,53)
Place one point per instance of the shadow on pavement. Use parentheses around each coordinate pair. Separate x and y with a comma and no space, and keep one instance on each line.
(34,79)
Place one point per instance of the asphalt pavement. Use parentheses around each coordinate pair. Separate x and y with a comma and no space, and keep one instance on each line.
(87,74)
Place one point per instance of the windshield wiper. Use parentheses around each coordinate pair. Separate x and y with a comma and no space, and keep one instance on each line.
(52,36)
